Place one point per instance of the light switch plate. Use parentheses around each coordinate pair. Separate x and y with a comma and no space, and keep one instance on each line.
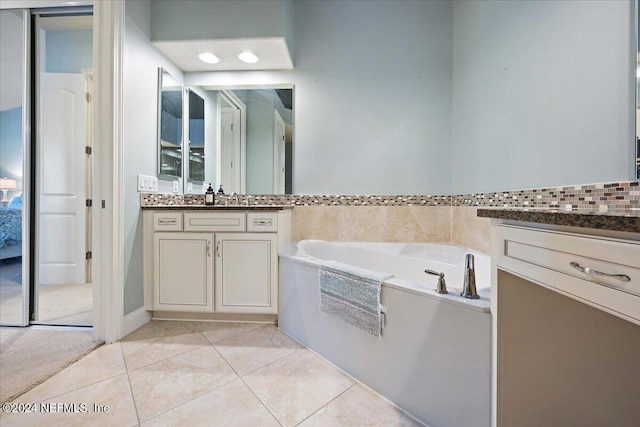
(176,187)
(147,184)
(189,187)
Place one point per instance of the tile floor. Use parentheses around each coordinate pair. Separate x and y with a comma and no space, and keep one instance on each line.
(206,374)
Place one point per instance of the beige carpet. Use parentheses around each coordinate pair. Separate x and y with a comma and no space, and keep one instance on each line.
(30,356)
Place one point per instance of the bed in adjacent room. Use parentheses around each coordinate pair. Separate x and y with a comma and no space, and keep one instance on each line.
(11,229)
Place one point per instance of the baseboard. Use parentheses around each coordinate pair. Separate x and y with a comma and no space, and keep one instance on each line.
(134,320)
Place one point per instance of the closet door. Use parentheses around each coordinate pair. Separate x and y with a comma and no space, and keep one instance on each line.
(14,158)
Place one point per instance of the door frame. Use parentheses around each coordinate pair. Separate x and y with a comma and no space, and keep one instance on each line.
(107,228)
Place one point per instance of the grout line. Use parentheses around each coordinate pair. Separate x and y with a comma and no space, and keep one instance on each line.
(245,383)
(326,404)
(133,397)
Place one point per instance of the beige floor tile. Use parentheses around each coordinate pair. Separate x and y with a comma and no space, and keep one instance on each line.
(169,383)
(254,349)
(114,394)
(216,331)
(160,340)
(298,385)
(102,363)
(357,407)
(230,405)
(160,329)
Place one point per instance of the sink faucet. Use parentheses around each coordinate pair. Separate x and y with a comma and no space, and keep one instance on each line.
(469,289)
(235,196)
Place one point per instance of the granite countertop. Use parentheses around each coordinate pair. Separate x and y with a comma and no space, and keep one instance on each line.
(218,207)
(603,221)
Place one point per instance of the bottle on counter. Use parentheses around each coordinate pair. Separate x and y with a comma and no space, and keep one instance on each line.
(209,196)
(220,190)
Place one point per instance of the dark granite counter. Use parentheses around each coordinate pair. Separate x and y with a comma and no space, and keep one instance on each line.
(217,207)
(603,221)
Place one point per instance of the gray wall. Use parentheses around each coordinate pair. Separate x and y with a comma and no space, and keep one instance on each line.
(372,96)
(141,62)
(542,94)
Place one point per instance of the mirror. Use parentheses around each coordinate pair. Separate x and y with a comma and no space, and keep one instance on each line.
(254,132)
(637,92)
(169,125)
(196,137)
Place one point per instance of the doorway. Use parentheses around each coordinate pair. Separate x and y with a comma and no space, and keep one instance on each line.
(51,273)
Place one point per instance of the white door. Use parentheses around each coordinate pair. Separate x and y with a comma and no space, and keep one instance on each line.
(61,179)
(278,153)
(230,150)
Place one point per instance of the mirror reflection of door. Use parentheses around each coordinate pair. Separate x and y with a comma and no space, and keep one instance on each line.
(230,144)
(254,137)
(278,153)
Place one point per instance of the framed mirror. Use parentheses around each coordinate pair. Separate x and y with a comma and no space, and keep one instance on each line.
(255,139)
(196,139)
(170,113)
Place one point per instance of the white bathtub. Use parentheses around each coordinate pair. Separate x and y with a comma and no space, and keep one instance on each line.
(433,358)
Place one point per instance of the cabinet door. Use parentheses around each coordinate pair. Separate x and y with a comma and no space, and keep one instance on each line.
(183,272)
(246,273)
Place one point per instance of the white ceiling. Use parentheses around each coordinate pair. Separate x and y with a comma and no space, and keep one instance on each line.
(273,54)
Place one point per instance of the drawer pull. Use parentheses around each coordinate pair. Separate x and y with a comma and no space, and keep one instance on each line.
(167,221)
(262,222)
(209,248)
(592,272)
(218,249)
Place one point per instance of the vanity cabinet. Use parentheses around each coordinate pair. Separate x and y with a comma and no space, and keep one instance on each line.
(183,272)
(220,263)
(566,326)
(246,273)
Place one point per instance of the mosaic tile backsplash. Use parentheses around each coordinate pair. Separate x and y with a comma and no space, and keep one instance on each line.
(618,197)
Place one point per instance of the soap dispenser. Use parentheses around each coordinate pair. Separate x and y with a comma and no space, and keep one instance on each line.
(209,196)
(220,190)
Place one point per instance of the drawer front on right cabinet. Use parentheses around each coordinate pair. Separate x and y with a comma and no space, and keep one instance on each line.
(262,221)
(603,272)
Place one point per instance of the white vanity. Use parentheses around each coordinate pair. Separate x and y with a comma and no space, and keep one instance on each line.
(566,313)
(217,263)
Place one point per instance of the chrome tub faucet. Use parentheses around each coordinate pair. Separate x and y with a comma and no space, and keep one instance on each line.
(469,289)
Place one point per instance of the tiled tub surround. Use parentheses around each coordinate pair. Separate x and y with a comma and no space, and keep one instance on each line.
(395,218)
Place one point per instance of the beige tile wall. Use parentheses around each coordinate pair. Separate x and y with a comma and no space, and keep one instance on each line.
(467,229)
(372,223)
(458,224)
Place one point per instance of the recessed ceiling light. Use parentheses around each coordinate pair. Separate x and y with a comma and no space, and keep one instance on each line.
(248,57)
(209,58)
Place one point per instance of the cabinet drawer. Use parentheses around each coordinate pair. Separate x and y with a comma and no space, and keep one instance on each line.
(167,221)
(602,271)
(262,221)
(214,221)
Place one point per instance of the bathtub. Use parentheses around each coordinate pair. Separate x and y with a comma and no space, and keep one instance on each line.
(433,357)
